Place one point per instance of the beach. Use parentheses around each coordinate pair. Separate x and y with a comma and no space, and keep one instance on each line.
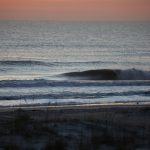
(121,127)
(74,74)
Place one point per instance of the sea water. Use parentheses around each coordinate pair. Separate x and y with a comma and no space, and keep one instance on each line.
(36,58)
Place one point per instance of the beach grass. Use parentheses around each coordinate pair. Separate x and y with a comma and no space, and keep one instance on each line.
(81,128)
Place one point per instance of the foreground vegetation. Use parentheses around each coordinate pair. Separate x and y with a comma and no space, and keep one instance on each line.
(97,128)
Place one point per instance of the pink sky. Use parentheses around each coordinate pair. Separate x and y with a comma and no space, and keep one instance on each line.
(75,9)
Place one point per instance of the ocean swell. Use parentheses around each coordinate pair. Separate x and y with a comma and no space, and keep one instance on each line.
(25,63)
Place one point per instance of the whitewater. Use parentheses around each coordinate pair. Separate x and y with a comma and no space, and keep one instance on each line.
(44,62)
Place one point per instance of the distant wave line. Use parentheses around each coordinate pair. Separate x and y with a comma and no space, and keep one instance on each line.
(46,63)
(24,62)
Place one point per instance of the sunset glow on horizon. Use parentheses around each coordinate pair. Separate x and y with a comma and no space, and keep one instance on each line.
(75,9)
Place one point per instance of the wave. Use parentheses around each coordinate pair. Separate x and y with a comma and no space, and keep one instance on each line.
(110,74)
(44,63)
(67,83)
(25,63)
(73,95)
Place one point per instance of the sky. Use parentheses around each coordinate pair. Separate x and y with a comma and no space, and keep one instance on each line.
(74,9)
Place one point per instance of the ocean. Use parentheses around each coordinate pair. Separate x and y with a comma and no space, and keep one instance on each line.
(45,62)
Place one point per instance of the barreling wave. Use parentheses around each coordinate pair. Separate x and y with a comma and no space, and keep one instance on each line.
(110,74)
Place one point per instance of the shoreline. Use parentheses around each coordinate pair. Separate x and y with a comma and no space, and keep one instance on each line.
(75,106)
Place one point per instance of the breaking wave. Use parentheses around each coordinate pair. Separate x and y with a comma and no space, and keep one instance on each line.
(74,95)
(110,74)
(67,83)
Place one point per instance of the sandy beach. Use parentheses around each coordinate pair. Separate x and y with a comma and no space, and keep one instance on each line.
(121,127)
